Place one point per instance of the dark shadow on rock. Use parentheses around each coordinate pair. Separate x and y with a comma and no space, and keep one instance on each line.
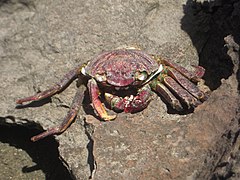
(34,104)
(207,24)
(89,130)
(87,107)
(44,152)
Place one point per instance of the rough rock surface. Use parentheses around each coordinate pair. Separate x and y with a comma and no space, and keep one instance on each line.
(42,40)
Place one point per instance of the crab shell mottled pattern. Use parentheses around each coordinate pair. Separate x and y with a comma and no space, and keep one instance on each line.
(119,67)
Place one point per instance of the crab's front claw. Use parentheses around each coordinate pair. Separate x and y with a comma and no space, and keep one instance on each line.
(130,104)
(140,101)
(97,104)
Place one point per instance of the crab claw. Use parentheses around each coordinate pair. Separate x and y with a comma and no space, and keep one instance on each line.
(97,104)
(130,104)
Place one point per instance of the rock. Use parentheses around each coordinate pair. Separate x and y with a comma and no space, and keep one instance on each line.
(162,146)
(40,41)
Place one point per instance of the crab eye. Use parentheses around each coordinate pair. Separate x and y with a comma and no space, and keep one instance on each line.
(141,76)
(100,77)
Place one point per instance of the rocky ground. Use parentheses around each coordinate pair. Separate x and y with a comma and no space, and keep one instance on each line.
(40,41)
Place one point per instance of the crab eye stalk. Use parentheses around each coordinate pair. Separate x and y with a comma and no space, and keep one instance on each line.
(100,77)
(141,76)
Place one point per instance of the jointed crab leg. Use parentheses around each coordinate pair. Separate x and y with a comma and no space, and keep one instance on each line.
(97,104)
(157,86)
(196,76)
(190,100)
(186,84)
(191,76)
(72,113)
(65,81)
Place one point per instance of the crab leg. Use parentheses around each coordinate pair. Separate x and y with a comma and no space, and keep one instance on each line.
(133,103)
(190,100)
(97,104)
(72,113)
(186,84)
(58,87)
(167,94)
(196,76)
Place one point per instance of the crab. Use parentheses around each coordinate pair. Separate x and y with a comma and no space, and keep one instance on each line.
(126,79)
